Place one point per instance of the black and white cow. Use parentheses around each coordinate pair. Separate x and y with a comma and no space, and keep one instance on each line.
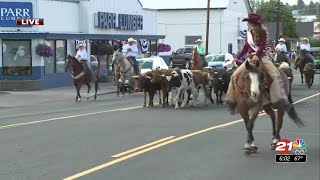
(182,81)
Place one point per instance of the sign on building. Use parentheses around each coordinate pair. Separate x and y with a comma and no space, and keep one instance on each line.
(106,20)
(11,11)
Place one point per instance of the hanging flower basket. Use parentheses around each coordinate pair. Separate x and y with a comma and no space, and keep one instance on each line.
(44,50)
(164,47)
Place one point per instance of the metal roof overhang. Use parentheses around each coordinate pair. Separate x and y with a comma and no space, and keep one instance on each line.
(20,35)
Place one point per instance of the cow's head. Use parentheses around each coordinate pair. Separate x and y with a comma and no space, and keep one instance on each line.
(136,83)
(158,75)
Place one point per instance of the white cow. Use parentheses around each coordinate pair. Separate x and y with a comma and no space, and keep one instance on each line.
(183,81)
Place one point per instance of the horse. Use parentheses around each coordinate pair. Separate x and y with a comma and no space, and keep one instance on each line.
(251,90)
(300,62)
(309,71)
(126,72)
(288,71)
(81,76)
(196,60)
(279,58)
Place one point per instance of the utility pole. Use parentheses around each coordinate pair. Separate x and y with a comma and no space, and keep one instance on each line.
(278,21)
(208,24)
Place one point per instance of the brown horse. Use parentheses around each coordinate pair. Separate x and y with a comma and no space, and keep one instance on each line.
(251,90)
(300,62)
(196,60)
(81,76)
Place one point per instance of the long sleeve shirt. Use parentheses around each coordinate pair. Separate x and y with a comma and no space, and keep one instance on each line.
(281,47)
(305,47)
(248,49)
(133,53)
(82,55)
(201,50)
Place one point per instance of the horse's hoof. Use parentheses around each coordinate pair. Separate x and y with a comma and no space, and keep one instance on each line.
(246,151)
(273,146)
(144,105)
(253,149)
(79,100)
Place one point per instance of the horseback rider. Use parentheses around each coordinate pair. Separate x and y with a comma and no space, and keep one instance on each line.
(82,56)
(255,45)
(306,46)
(282,48)
(130,51)
(304,50)
(201,51)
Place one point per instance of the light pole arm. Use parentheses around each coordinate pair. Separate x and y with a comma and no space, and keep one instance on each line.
(207,29)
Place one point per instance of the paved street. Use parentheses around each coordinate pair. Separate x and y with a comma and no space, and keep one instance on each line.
(56,138)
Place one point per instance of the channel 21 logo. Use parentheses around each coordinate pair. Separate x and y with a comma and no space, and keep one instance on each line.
(285,146)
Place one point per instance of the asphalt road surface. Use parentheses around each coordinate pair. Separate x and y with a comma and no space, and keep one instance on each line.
(65,140)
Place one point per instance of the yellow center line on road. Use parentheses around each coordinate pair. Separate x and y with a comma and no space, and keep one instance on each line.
(142,147)
(110,163)
(66,117)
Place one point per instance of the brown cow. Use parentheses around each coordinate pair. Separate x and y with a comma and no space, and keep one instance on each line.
(159,76)
(201,80)
(143,83)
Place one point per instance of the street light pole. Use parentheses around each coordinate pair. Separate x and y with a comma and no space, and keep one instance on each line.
(208,24)
(278,19)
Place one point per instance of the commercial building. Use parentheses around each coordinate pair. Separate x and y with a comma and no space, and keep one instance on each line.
(183,22)
(65,23)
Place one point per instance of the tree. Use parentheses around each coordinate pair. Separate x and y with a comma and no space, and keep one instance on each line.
(312,9)
(269,13)
(314,42)
(300,5)
(255,4)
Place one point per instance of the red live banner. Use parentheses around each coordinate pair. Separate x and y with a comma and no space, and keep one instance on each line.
(30,22)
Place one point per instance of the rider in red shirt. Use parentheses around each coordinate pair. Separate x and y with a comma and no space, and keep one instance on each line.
(255,45)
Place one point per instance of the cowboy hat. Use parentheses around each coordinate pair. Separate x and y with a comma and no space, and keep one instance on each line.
(253,18)
(131,40)
(305,39)
(282,40)
(198,40)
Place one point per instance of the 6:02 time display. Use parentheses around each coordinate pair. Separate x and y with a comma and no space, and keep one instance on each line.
(291,158)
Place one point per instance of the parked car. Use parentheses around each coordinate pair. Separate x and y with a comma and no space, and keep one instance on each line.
(315,51)
(181,58)
(220,61)
(152,63)
(93,61)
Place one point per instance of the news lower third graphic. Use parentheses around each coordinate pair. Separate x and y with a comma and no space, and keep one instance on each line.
(297,148)
(30,22)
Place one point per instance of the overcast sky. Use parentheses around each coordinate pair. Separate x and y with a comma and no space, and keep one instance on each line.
(292,2)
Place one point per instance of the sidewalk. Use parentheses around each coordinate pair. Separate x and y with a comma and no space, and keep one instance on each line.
(16,98)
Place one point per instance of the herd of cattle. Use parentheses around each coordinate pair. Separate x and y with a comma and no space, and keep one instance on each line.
(177,85)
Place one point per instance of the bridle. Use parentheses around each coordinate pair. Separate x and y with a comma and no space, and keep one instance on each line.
(71,67)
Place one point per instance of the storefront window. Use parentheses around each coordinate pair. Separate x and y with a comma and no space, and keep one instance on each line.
(61,52)
(49,61)
(16,57)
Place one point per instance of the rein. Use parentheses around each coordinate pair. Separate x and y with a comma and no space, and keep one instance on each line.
(75,77)
(127,69)
(242,91)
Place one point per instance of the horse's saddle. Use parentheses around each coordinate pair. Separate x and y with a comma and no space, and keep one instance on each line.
(130,60)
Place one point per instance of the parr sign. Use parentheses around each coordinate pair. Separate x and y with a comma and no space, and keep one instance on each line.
(105,20)
(11,11)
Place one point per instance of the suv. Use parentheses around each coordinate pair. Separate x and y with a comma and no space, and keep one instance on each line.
(181,58)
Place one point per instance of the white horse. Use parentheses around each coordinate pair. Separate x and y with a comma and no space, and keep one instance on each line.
(126,71)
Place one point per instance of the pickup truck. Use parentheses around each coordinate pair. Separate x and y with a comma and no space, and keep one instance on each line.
(181,58)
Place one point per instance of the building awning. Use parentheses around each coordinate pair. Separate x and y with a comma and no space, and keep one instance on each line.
(20,35)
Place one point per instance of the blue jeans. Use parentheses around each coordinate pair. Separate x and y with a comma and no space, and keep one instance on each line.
(88,67)
(310,57)
(135,63)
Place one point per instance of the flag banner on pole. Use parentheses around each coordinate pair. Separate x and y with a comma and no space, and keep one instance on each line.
(144,43)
